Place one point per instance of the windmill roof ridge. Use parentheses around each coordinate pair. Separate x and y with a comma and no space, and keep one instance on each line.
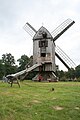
(39,33)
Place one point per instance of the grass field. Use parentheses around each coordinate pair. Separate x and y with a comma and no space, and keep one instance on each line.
(37,101)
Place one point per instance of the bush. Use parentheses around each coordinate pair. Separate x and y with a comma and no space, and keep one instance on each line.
(63,78)
(78,79)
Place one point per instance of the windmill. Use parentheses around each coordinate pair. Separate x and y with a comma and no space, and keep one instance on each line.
(45,50)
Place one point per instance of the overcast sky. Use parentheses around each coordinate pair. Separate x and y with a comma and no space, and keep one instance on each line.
(49,13)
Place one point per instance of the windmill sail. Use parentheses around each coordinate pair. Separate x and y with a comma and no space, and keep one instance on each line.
(63,57)
(29,29)
(62,28)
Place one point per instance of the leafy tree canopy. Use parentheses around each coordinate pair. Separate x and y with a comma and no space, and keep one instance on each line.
(23,61)
(8,63)
(8,59)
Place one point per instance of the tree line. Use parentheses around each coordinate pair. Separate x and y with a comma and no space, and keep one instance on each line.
(70,75)
(8,66)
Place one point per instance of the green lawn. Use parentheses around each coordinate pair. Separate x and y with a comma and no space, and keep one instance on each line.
(37,101)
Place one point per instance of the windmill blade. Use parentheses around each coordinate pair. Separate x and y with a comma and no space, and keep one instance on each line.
(29,29)
(57,55)
(64,58)
(62,28)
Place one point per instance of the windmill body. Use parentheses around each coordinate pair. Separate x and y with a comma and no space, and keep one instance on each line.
(44,49)
(44,53)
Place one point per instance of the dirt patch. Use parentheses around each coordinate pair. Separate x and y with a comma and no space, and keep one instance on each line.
(36,101)
(58,108)
(36,95)
(54,98)
(77,108)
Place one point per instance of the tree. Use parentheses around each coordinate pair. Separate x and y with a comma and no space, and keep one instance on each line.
(2,70)
(70,74)
(60,74)
(8,62)
(31,61)
(8,59)
(23,61)
(77,71)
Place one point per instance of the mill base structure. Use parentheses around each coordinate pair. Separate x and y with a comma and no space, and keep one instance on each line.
(45,76)
(44,73)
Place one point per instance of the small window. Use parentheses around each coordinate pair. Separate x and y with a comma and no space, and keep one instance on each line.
(43,43)
(43,54)
(44,34)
